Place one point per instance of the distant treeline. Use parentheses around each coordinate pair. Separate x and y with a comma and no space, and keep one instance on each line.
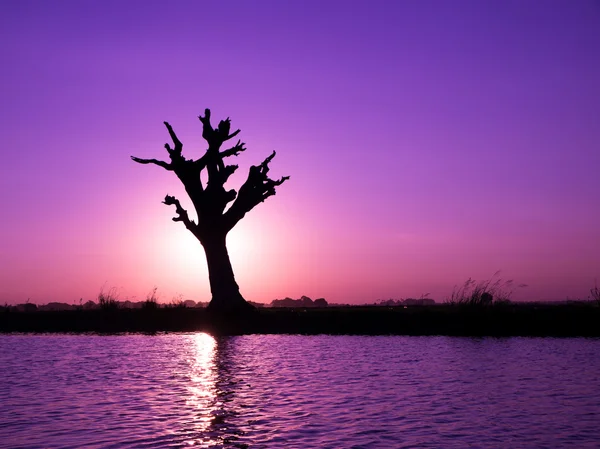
(91,305)
(304,301)
(406,302)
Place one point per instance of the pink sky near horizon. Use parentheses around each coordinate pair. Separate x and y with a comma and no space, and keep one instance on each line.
(427,142)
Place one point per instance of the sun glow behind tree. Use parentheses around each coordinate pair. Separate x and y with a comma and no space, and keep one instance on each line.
(427,145)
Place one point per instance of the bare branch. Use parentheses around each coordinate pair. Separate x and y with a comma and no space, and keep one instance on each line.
(257,188)
(279,181)
(223,130)
(178,145)
(232,135)
(207,130)
(216,137)
(206,119)
(224,127)
(182,214)
(264,166)
(233,151)
(268,159)
(270,187)
(162,164)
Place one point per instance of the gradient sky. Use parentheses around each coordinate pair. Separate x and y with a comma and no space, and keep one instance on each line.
(427,142)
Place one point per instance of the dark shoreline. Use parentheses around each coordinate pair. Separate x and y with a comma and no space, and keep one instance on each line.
(578,319)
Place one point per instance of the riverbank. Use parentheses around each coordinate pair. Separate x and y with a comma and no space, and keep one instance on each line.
(577,319)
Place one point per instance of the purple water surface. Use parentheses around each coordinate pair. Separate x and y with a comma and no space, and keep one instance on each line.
(269,391)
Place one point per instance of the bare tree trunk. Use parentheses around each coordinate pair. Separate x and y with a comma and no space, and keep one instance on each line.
(226,296)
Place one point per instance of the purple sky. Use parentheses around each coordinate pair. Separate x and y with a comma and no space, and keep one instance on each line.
(427,142)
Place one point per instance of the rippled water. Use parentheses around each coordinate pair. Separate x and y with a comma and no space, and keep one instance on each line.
(269,391)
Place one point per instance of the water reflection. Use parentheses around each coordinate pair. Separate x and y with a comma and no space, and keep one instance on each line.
(211,392)
(227,422)
(202,388)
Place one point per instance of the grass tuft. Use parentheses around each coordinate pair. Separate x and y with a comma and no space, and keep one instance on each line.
(108,300)
(177,303)
(483,293)
(595,292)
(151,300)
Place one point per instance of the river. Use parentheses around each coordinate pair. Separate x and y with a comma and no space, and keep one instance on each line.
(290,391)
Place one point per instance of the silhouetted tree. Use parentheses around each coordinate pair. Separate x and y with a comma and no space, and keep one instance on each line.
(215,219)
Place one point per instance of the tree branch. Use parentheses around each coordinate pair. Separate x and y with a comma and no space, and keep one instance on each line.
(265,164)
(182,214)
(174,153)
(232,135)
(216,137)
(270,185)
(207,130)
(178,145)
(269,188)
(233,151)
(223,130)
(162,164)
(257,188)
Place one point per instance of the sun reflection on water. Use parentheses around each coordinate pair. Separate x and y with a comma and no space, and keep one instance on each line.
(202,389)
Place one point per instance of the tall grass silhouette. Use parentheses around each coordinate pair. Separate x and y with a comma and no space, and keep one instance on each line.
(151,301)
(595,292)
(491,291)
(108,300)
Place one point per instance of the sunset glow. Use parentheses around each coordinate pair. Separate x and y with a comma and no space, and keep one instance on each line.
(427,142)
